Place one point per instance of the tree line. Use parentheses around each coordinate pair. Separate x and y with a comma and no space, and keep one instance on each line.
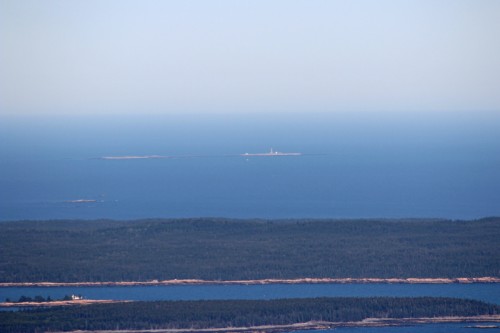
(228,249)
(233,313)
(41,299)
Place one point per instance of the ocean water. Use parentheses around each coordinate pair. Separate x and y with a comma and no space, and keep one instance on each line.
(444,166)
(483,292)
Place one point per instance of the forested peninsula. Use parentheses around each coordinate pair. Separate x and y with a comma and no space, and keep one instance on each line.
(215,249)
(255,315)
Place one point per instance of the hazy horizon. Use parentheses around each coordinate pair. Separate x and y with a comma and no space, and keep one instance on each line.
(395,106)
(235,57)
(380,165)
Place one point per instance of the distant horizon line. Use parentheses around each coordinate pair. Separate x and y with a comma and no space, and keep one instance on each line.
(256,218)
(254,112)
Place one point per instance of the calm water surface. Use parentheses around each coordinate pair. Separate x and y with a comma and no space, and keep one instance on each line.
(484,292)
(352,167)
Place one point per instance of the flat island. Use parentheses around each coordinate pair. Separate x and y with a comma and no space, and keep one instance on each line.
(39,301)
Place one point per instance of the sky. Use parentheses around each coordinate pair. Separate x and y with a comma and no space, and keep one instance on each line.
(259,56)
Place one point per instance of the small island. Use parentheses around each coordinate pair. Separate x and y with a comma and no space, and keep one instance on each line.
(40,301)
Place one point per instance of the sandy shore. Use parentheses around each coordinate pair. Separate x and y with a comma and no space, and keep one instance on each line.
(369,322)
(253,282)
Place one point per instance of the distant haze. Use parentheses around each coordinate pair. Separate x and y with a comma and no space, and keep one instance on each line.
(82,57)
(379,165)
(395,106)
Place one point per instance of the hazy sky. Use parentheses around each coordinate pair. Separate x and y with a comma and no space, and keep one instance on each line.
(248,56)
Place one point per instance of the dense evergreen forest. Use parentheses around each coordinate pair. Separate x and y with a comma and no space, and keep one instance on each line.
(226,249)
(234,313)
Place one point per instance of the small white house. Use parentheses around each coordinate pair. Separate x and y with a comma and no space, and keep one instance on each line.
(76,297)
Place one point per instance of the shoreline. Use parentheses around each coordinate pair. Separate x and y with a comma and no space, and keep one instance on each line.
(319,325)
(256,282)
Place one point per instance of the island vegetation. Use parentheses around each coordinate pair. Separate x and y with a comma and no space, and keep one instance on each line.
(228,249)
(235,313)
(41,299)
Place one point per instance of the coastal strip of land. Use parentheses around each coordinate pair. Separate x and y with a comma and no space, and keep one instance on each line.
(225,251)
(277,315)
(319,325)
(462,280)
(58,303)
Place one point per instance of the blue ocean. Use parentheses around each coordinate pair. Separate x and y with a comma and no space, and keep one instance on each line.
(486,292)
(351,166)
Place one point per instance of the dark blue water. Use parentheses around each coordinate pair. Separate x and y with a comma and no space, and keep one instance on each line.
(484,292)
(354,166)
